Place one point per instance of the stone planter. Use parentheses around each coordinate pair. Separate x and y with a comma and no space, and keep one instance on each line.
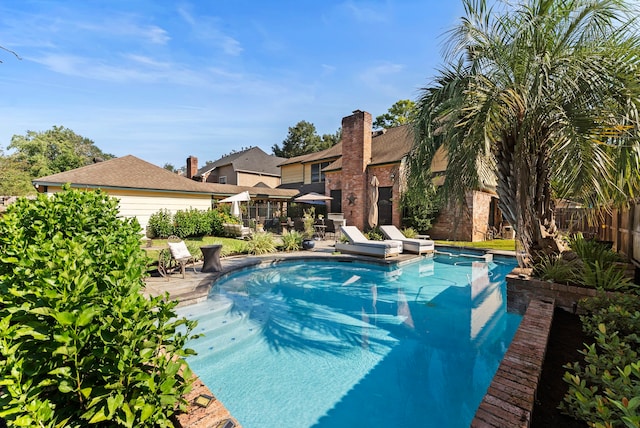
(521,289)
(308,244)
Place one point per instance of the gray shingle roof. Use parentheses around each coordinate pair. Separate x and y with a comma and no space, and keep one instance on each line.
(388,147)
(253,159)
(127,172)
(130,172)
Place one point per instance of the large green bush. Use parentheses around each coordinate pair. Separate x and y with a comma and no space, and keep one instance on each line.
(190,222)
(80,344)
(160,224)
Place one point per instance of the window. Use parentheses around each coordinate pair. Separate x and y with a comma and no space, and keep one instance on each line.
(317,176)
(222,179)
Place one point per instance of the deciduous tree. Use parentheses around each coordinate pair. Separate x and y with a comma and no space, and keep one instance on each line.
(400,113)
(302,139)
(56,150)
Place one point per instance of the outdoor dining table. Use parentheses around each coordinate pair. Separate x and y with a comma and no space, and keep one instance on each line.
(320,230)
(211,254)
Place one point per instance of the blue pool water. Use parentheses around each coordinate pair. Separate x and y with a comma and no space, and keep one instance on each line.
(334,344)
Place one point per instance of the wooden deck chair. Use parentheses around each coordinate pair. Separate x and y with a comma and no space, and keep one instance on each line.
(177,255)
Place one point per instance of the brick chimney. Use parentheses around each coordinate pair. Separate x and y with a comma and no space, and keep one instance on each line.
(356,156)
(192,166)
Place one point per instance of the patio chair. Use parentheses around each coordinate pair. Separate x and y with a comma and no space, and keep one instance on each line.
(411,245)
(359,244)
(176,256)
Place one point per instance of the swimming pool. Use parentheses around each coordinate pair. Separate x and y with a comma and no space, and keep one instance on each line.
(330,344)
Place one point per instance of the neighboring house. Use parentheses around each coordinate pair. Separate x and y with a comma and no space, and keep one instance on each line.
(344,172)
(250,167)
(143,188)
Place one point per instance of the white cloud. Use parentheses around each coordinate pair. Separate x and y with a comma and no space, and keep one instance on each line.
(366,13)
(327,69)
(206,29)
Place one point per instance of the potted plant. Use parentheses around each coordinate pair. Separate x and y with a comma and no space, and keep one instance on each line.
(308,220)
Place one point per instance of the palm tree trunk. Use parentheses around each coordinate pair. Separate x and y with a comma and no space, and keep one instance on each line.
(525,197)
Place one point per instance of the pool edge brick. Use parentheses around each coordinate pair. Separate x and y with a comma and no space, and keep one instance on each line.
(505,405)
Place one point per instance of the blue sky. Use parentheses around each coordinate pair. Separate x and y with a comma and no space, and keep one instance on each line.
(163,80)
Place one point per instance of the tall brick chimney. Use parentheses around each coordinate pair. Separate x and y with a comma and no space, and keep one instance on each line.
(356,156)
(192,166)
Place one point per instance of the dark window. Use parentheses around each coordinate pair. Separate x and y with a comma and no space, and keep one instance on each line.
(385,205)
(336,202)
(317,176)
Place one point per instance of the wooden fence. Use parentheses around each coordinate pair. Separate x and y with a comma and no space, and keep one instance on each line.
(621,227)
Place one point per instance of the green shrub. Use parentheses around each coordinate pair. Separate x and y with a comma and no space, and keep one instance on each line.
(291,241)
(554,268)
(591,251)
(409,232)
(605,390)
(261,243)
(374,234)
(611,278)
(420,209)
(191,222)
(81,345)
(217,218)
(160,224)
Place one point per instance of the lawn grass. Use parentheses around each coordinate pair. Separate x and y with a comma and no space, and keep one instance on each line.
(494,244)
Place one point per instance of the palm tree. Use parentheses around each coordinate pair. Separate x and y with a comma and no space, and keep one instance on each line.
(541,98)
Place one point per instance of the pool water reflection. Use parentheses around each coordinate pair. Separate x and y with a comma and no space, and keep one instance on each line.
(329,344)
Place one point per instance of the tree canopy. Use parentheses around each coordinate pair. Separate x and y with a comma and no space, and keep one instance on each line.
(540,97)
(303,139)
(38,154)
(400,113)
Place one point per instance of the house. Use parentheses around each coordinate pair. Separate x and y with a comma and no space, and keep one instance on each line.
(249,167)
(143,188)
(344,172)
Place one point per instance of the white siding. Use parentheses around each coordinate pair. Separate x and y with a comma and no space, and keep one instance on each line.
(141,204)
(142,207)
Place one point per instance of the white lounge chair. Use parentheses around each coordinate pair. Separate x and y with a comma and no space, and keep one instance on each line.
(411,245)
(359,244)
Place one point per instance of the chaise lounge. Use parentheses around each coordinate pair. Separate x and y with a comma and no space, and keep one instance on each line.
(410,245)
(359,244)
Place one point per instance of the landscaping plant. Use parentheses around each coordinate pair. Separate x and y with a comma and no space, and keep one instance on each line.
(80,344)
(409,233)
(261,243)
(555,268)
(591,251)
(374,234)
(291,241)
(604,391)
(160,224)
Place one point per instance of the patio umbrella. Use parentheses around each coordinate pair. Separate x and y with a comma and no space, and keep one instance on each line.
(312,197)
(235,209)
(373,208)
(235,202)
(238,197)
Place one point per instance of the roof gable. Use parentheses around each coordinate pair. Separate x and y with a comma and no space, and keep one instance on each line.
(253,159)
(388,146)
